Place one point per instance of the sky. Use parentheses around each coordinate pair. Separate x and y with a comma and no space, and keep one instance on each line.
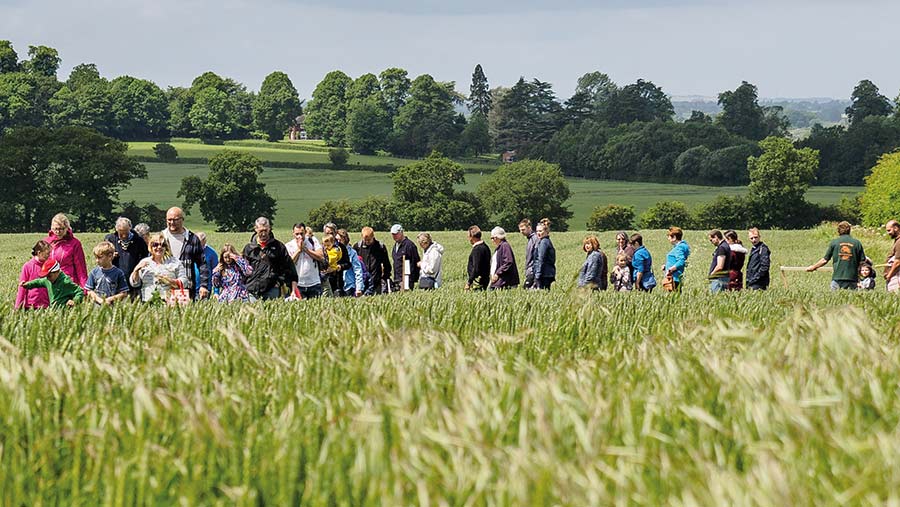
(788,48)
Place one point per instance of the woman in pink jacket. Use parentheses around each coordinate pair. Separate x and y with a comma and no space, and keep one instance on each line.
(34,298)
(67,249)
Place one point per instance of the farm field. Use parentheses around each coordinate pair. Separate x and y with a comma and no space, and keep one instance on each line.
(300,190)
(788,397)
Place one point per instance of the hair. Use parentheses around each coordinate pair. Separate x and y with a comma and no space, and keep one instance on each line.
(676,232)
(328,240)
(226,248)
(329,225)
(545,222)
(262,222)
(344,236)
(843,228)
(621,257)
(367,231)
(104,248)
(525,222)
(300,225)
(123,222)
(866,264)
(623,235)
(591,240)
(754,230)
(201,236)
(716,233)
(61,219)
(141,229)
(310,232)
(891,223)
(40,246)
(498,232)
(425,236)
(730,234)
(475,232)
(637,238)
(159,237)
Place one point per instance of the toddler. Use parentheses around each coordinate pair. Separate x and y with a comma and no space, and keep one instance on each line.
(621,275)
(61,289)
(866,277)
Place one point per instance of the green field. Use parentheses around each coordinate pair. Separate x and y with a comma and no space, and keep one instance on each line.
(788,397)
(299,190)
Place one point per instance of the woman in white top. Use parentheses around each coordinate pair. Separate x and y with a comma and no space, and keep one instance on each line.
(160,272)
(430,265)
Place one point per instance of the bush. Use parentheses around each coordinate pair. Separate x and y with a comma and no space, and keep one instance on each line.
(527,189)
(340,212)
(339,156)
(724,212)
(665,214)
(165,152)
(149,214)
(611,218)
(881,200)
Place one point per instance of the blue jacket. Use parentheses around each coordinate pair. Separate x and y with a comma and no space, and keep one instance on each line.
(643,264)
(545,260)
(353,277)
(677,258)
(591,274)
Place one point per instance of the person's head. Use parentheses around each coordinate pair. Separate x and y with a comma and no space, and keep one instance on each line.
(474,234)
(202,237)
(263,229)
(545,221)
(397,232)
(622,260)
(329,228)
(59,225)
(424,240)
(715,237)
(590,244)
(621,239)
(299,231)
(228,254)
(175,220)
(123,227)
(368,235)
(893,228)
(50,269)
(542,230)
(498,235)
(732,238)
(674,234)
(328,241)
(41,250)
(865,270)
(843,228)
(525,227)
(753,235)
(343,236)
(310,233)
(636,240)
(104,252)
(158,246)
(142,230)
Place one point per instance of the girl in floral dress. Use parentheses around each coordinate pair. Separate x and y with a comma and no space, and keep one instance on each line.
(230,274)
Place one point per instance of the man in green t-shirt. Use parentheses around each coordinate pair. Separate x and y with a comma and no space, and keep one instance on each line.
(848,254)
(62,290)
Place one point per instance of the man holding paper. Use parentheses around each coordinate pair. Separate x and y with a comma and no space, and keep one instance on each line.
(406,260)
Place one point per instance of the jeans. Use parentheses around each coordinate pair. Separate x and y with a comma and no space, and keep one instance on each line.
(312,292)
(273,293)
(718,285)
(843,284)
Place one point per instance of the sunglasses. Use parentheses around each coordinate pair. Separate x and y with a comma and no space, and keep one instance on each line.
(157,245)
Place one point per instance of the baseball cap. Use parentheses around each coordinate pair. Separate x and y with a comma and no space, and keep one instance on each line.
(396,228)
(50,265)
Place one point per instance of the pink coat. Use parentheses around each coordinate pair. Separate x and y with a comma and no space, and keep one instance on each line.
(31,298)
(68,252)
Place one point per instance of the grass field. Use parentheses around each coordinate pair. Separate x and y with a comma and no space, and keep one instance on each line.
(788,397)
(299,190)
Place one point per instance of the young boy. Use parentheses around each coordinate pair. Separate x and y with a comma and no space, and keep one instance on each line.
(62,290)
(106,283)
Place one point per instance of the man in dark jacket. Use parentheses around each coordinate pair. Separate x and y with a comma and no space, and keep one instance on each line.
(404,250)
(272,266)
(479,268)
(758,262)
(130,249)
(186,247)
(376,259)
(544,259)
(530,250)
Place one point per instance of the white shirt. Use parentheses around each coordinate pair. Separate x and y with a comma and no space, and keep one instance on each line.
(176,242)
(307,269)
(431,263)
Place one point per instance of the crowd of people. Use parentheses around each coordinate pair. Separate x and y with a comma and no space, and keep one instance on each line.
(175,266)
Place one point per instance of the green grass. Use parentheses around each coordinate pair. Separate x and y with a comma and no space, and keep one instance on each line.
(300,190)
(787,397)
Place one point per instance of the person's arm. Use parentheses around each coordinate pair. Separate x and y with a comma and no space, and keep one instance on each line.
(817,265)
(34,284)
(539,256)
(199,260)
(638,269)
(680,261)
(80,265)
(358,275)
(892,269)
(22,292)
(288,268)
(720,263)
(765,259)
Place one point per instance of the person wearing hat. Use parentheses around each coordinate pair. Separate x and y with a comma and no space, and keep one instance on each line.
(61,289)
(504,273)
(404,250)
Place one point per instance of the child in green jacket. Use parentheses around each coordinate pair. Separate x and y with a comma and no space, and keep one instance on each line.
(62,290)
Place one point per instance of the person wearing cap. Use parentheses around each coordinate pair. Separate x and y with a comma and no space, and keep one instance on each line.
(848,254)
(504,273)
(404,250)
(67,249)
(61,289)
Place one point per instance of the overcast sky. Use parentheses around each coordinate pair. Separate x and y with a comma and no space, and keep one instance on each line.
(791,48)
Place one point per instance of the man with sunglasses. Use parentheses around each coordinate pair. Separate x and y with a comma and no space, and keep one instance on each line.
(187,248)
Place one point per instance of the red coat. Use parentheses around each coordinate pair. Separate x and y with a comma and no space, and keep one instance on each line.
(68,252)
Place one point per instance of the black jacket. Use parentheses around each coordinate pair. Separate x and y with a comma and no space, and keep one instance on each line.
(406,248)
(128,252)
(271,265)
(479,266)
(758,265)
(376,259)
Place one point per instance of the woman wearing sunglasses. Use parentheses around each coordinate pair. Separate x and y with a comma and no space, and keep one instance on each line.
(159,273)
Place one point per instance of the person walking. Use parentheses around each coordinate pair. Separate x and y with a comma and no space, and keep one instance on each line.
(504,273)
(160,272)
(272,266)
(431,276)
(404,251)
(736,261)
(545,258)
(593,272)
(229,276)
(67,250)
(846,253)
(306,253)
(718,269)
(479,267)
(676,259)
(643,265)
(892,269)
(758,262)
(130,249)
(31,299)
(186,247)
(376,259)
(623,247)
(530,250)
(354,281)
(210,257)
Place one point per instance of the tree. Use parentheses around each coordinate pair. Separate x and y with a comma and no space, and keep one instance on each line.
(427,120)
(526,189)
(425,198)
(779,179)
(866,101)
(480,100)
(724,212)
(9,59)
(362,88)
(25,99)
(165,152)
(529,115)
(231,196)
(83,100)
(44,61)
(598,87)
(611,217)
(338,156)
(84,74)
(640,101)
(475,138)
(368,126)
(395,86)
(326,114)
(139,109)
(665,214)
(180,102)
(211,114)
(741,113)
(73,170)
(276,105)
(880,201)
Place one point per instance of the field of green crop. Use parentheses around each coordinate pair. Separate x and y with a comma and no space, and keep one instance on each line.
(790,397)
(300,190)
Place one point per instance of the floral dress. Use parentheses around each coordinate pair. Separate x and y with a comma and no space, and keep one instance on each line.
(230,281)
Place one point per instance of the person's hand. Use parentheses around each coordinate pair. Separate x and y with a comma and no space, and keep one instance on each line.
(811,268)
(141,265)
(107,302)
(217,268)
(204,292)
(70,303)
(468,287)
(495,278)
(22,283)
(164,279)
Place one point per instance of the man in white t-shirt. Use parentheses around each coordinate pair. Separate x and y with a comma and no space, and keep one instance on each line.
(306,252)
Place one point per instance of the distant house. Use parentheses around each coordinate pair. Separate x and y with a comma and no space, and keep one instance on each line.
(508,156)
